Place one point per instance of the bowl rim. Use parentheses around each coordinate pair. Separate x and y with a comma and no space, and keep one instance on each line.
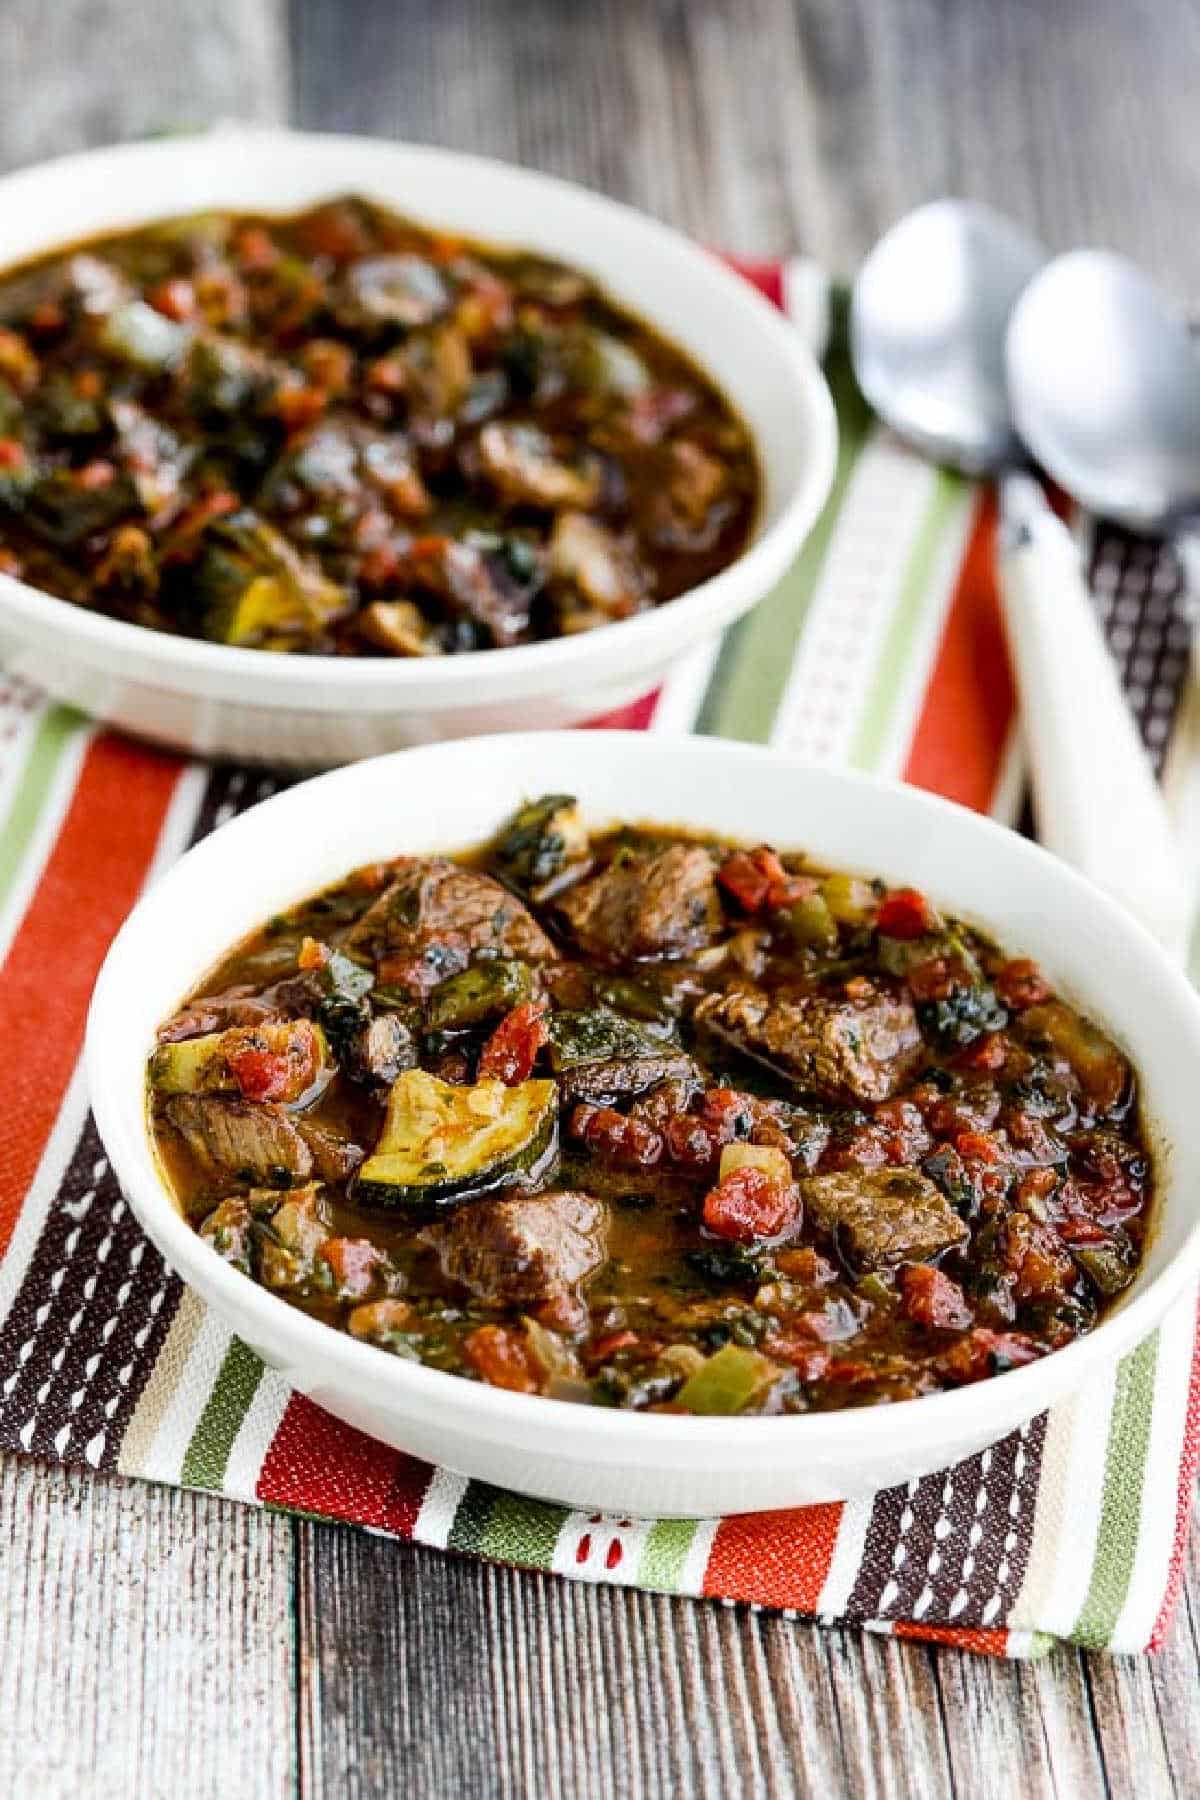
(946,1414)
(276,678)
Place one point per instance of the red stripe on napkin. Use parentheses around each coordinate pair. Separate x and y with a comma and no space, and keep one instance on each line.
(969,704)
(775,1559)
(91,880)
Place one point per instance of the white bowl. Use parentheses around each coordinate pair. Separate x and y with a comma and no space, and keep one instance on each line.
(213,700)
(450,795)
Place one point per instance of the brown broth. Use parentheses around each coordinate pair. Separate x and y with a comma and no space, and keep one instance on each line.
(1013,1113)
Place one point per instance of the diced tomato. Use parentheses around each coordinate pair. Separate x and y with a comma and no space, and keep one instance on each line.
(758,881)
(175,298)
(47,316)
(930,1297)
(933,980)
(511,1051)
(616,1137)
(810,1361)
(255,249)
(298,405)
(335,230)
(387,375)
(906,913)
(1020,984)
(503,1358)
(982,1145)
(1028,1133)
(693,1143)
(987,1053)
(609,1346)
(273,1062)
(749,1205)
(983,1352)
(863,1148)
(730,1111)
(354,1264)
(1035,1255)
(806,1265)
(903,1132)
(12,454)
(312,954)
(950,1116)
(1037,1185)
(261,1074)
(1077,1228)
(99,473)
(742,878)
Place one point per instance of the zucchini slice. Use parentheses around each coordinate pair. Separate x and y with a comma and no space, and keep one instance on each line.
(209,1064)
(192,1066)
(442,1144)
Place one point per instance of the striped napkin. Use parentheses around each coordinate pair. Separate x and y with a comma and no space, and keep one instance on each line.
(882,649)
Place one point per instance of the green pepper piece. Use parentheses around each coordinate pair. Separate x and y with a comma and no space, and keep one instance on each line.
(851,900)
(481,992)
(876,1289)
(811,923)
(1109,1267)
(730,1382)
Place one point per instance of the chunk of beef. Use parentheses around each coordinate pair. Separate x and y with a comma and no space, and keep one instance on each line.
(620,1076)
(474,584)
(228,1229)
(254,1139)
(335,1158)
(842,1050)
(241,1005)
(663,904)
(686,511)
(524,1251)
(401,289)
(882,1216)
(433,902)
(520,462)
(380,1050)
(596,564)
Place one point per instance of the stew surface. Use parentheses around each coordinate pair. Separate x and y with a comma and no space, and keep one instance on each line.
(340,432)
(648,1120)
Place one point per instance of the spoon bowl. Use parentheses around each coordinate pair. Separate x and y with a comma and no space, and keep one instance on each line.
(927,324)
(1104,380)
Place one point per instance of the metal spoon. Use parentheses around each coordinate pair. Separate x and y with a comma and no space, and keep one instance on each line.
(1104,379)
(928,317)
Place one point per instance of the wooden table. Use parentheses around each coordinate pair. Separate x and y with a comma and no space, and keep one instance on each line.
(159,1643)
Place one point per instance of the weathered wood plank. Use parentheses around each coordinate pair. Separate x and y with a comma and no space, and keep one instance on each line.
(147,1640)
(82,72)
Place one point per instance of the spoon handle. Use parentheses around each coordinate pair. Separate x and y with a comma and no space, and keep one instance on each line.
(1097,802)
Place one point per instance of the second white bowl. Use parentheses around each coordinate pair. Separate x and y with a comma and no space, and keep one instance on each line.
(312,710)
